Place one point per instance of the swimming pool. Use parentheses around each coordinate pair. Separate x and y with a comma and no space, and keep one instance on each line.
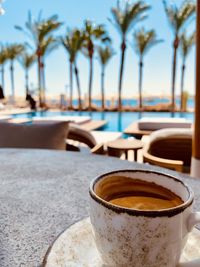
(117,121)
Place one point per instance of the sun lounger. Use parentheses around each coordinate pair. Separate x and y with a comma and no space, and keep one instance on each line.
(5,118)
(146,126)
(75,119)
(152,124)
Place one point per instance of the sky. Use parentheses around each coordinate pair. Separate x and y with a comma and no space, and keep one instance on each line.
(157,63)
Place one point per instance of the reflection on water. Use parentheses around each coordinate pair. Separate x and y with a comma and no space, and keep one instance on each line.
(120,122)
(103,115)
(139,115)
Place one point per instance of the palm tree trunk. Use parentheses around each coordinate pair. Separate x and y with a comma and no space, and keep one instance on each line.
(102,87)
(43,81)
(78,86)
(71,84)
(140,82)
(182,83)
(39,76)
(123,48)
(27,81)
(176,44)
(2,76)
(90,83)
(12,80)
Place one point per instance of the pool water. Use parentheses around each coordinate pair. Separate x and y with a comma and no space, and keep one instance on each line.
(117,121)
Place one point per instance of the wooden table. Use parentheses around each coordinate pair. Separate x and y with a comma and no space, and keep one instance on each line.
(120,146)
(43,192)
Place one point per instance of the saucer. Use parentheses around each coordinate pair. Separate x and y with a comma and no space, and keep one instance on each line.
(75,247)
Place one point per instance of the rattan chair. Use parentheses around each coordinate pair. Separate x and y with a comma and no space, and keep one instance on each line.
(170,148)
(77,134)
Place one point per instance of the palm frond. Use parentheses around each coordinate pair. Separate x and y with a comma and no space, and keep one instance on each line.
(73,42)
(144,40)
(125,18)
(3,55)
(186,44)
(39,29)
(27,60)
(92,35)
(178,17)
(105,54)
(14,51)
(48,45)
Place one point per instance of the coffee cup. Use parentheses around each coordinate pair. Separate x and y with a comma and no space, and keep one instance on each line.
(145,235)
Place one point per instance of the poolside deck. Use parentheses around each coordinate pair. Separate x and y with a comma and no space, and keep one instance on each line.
(134,130)
(93,125)
(103,137)
(15,111)
(81,120)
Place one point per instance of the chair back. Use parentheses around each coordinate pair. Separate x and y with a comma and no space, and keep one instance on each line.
(170,147)
(77,133)
(42,136)
(174,147)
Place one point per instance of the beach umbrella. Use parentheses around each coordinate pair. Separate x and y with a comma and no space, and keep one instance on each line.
(195,168)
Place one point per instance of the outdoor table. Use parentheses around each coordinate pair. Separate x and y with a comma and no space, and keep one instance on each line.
(119,146)
(43,192)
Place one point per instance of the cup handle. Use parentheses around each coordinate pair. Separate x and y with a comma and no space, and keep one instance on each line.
(193,219)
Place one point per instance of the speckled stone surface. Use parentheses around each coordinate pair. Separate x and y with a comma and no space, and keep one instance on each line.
(44,192)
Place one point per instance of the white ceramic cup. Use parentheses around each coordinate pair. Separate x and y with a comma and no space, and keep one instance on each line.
(136,238)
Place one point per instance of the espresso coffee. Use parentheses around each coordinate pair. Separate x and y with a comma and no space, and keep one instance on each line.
(136,194)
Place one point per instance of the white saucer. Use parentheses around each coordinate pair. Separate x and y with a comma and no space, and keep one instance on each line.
(75,247)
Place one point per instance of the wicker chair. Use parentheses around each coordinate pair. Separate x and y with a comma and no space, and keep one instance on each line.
(80,135)
(170,148)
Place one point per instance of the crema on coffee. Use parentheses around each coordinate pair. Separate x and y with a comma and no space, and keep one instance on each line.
(137,194)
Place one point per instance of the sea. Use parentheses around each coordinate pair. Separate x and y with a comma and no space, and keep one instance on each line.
(146,102)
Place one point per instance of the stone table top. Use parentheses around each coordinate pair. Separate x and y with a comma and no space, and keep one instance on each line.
(43,192)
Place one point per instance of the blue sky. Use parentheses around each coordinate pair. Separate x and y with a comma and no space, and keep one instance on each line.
(157,72)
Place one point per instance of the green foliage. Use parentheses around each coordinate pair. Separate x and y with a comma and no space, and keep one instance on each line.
(3,55)
(93,33)
(27,60)
(105,54)
(124,18)
(13,51)
(178,17)
(186,44)
(144,40)
(39,29)
(48,45)
(73,43)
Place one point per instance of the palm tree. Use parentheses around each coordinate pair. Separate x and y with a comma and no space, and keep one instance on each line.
(3,59)
(178,17)
(143,41)
(105,54)
(186,44)
(73,43)
(124,19)
(92,33)
(78,45)
(47,46)
(38,31)
(13,52)
(27,61)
